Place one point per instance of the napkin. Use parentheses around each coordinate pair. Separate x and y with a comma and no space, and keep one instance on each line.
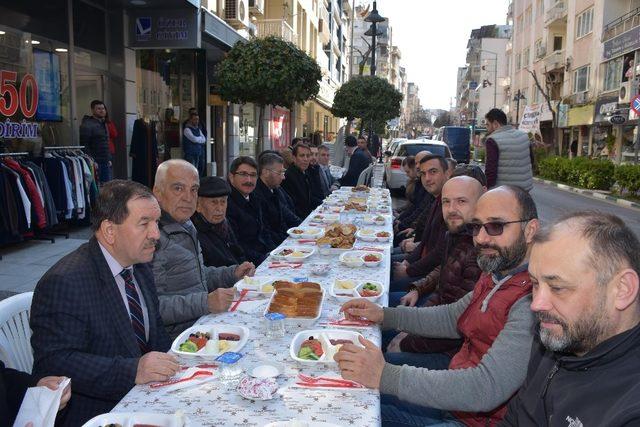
(251,306)
(40,405)
(175,383)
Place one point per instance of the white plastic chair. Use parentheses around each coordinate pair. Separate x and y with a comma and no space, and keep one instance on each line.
(15,333)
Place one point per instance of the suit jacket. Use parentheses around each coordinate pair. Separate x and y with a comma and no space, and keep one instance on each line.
(318,190)
(82,330)
(298,185)
(13,386)
(277,216)
(245,217)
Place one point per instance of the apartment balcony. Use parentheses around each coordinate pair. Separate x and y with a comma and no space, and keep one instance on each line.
(276,27)
(620,25)
(323,27)
(555,61)
(556,14)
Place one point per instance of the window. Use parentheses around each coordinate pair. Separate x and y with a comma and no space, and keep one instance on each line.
(518,62)
(581,79)
(557,43)
(612,75)
(538,49)
(584,23)
(526,57)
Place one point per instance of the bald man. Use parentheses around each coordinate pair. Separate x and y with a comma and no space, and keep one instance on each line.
(187,289)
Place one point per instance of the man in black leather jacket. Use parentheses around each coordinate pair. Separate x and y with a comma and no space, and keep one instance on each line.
(584,368)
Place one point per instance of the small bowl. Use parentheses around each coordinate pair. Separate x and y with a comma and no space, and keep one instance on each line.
(372,263)
(267,370)
(257,388)
(353,262)
(383,238)
(320,268)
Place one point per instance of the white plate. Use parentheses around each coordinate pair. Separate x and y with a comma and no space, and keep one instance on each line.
(307,232)
(352,254)
(129,419)
(379,285)
(323,335)
(254,288)
(355,292)
(301,320)
(214,330)
(367,237)
(308,250)
(383,239)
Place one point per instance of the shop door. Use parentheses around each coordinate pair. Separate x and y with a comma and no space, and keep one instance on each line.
(88,88)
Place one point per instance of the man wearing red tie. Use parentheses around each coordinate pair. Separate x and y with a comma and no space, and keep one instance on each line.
(95,316)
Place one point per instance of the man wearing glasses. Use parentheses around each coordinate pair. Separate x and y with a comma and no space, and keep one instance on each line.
(493,321)
(277,216)
(244,211)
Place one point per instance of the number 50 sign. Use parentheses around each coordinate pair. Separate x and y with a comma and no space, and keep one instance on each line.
(12,98)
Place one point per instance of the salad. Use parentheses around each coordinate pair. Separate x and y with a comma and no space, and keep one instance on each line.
(369,290)
(311,349)
(371,258)
(195,342)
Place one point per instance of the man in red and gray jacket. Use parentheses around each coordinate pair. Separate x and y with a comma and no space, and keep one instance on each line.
(493,321)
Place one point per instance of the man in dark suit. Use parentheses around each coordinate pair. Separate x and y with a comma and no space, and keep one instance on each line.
(244,211)
(277,215)
(95,314)
(359,161)
(297,182)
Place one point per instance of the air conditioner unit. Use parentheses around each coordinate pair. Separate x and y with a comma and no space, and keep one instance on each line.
(253,31)
(236,13)
(624,94)
(256,7)
(581,97)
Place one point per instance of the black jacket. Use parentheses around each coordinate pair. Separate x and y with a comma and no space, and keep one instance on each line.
(317,192)
(599,389)
(95,138)
(298,185)
(217,250)
(13,386)
(359,161)
(245,217)
(277,216)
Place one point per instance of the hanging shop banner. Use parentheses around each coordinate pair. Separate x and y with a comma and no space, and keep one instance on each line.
(165,29)
(605,107)
(581,116)
(530,120)
(47,68)
(623,43)
(279,128)
(18,102)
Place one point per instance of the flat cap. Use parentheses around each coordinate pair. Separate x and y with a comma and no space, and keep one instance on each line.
(213,186)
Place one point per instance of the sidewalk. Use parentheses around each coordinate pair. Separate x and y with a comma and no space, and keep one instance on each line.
(23,264)
(590,193)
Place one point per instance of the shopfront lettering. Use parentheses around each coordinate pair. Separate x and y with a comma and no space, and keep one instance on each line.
(165,29)
(172,35)
(172,23)
(623,43)
(23,129)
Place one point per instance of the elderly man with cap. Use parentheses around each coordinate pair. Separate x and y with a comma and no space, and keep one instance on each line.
(218,242)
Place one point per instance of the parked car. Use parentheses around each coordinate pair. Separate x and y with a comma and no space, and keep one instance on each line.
(396,178)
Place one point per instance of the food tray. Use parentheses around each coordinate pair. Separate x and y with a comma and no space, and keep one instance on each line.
(308,250)
(130,419)
(323,335)
(308,232)
(355,292)
(214,330)
(242,285)
(303,320)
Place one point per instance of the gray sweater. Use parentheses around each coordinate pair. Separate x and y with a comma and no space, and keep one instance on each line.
(499,375)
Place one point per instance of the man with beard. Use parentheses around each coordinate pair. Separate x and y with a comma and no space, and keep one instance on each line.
(245,212)
(494,322)
(297,182)
(584,364)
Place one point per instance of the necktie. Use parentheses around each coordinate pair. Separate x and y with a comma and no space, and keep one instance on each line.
(135,309)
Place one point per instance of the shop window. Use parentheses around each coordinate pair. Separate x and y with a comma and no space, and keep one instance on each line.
(581,79)
(629,68)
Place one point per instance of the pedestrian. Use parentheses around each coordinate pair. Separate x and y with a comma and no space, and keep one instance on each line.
(95,138)
(509,155)
(193,142)
(112,132)
(359,160)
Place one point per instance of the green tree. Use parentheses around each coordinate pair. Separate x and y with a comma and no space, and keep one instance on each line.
(268,71)
(371,99)
(444,119)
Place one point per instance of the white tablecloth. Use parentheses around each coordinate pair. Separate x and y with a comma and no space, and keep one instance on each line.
(211,404)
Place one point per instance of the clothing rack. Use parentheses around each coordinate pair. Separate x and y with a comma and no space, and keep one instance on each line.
(64,147)
(21,154)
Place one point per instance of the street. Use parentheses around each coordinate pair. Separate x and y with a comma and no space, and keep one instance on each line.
(552,203)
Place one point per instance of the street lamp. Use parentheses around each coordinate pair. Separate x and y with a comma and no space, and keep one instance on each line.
(519,97)
(373,17)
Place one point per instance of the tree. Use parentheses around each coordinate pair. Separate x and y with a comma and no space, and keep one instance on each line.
(546,93)
(444,119)
(371,99)
(364,56)
(268,71)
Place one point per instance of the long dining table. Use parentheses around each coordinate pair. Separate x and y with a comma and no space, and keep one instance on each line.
(215,404)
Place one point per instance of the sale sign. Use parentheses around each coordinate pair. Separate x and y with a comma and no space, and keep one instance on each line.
(23,98)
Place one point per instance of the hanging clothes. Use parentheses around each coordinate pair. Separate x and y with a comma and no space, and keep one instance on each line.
(144,152)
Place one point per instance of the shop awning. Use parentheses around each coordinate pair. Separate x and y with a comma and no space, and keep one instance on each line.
(579,116)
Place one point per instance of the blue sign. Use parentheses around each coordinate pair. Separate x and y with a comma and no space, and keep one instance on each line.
(635,104)
(47,74)
(473,85)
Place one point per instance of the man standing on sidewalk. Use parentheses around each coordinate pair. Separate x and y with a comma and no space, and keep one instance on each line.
(509,157)
(95,138)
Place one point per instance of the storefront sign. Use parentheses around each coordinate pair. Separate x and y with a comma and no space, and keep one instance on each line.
(47,67)
(579,116)
(22,98)
(530,121)
(152,28)
(617,119)
(605,107)
(623,43)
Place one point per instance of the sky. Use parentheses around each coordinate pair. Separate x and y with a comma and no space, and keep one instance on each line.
(432,36)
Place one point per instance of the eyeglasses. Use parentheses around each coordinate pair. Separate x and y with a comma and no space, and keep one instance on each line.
(277,172)
(246,175)
(493,228)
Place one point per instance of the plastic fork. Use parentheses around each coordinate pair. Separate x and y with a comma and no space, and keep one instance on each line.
(181,380)
(327,382)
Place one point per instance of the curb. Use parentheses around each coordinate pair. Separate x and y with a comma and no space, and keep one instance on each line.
(591,193)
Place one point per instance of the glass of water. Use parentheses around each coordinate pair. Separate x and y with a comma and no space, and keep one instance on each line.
(274,325)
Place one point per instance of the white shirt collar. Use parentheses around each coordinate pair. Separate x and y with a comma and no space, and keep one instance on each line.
(114,265)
